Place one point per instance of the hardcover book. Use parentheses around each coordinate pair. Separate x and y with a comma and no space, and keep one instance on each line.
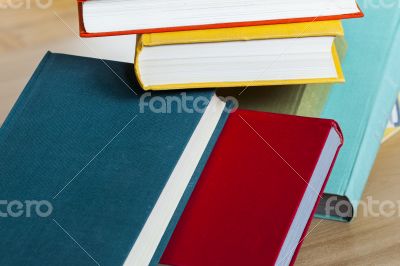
(237,57)
(116,17)
(362,106)
(302,100)
(115,173)
(257,194)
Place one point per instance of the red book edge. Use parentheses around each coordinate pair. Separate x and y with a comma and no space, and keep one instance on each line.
(336,126)
(85,34)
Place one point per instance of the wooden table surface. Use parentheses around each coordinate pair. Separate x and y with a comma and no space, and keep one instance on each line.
(27,33)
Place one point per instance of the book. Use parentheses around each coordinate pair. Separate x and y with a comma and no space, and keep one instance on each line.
(247,56)
(362,106)
(116,17)
(302,100)
(256,196)
(82,141)
(393,126)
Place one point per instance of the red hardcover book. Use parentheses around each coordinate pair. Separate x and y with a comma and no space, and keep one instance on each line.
(258,192)
(111,17)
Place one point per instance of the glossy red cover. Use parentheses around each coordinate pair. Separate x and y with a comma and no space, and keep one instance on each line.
(84,33)
(250,190)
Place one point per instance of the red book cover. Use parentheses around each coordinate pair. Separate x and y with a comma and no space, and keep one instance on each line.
(248,195)
(84,33)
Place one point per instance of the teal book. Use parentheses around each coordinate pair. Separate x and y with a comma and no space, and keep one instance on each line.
(362,105)
(93,170)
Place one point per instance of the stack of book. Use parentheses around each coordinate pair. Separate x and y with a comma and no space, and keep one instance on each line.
(181,175)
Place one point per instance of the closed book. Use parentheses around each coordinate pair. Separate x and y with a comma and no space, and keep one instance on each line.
(303,100)
(257,194)
(362,105)
(116,17)
(112,172)
(283,54)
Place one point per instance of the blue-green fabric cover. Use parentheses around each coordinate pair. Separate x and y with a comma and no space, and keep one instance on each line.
(64,128)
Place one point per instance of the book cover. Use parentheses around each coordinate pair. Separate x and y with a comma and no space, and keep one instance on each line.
(362,106)
(251,191)
(280,31)
(80,141)
(303,100)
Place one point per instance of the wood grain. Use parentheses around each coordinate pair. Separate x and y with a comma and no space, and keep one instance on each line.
(26,34)
(368,240)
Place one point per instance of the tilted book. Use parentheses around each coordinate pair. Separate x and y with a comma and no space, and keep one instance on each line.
(115,167)
(116,17)
(284,54)
(257,194)
(362,105)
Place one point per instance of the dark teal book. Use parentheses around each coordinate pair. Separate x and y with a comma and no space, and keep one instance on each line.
(95,171)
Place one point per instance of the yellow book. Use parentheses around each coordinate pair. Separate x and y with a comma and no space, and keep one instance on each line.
(283,54)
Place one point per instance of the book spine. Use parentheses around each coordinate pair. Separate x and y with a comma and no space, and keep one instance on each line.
(139,47)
